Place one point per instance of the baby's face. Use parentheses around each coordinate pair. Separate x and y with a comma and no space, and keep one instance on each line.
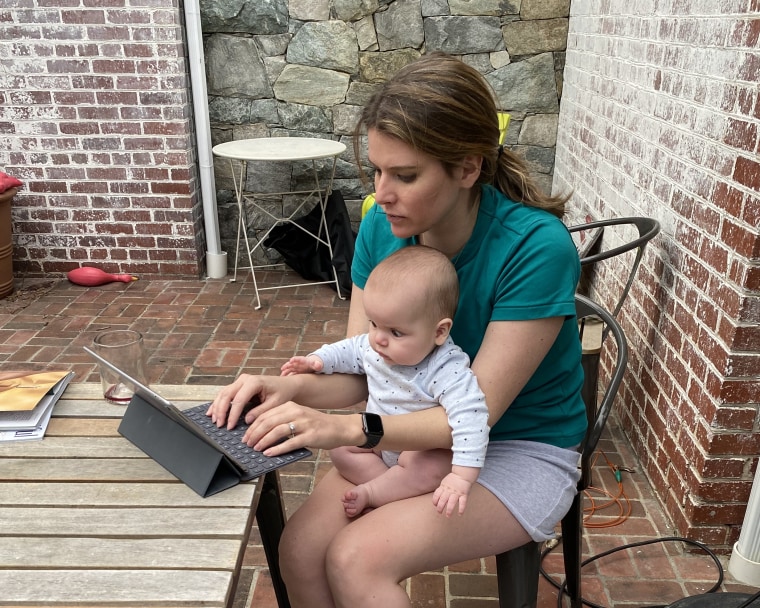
(399,331)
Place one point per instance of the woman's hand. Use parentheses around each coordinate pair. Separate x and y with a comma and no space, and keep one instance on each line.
(297,426)
(265,392)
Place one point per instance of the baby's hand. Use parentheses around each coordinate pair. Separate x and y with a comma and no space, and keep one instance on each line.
(451,493)
(310,364)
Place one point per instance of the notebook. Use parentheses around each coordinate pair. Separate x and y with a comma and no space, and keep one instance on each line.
(165,439)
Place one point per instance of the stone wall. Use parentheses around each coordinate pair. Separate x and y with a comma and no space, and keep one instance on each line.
(305,68)
(660,117)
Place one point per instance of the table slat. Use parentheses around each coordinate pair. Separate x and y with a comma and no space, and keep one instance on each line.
(115,522)
(119,494)
(115,587)
(168,553)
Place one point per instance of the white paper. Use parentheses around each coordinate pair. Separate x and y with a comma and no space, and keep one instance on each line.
(32,424)
(38,432)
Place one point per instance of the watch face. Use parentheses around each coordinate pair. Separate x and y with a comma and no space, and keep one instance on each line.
(373,424)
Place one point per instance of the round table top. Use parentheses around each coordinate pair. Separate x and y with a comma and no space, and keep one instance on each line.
(279,148)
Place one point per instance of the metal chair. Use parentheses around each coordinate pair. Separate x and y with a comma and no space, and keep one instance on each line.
(518,569)
(647,229)
(592,252)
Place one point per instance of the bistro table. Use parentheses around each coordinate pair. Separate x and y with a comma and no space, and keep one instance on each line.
(87,519)
(283,150)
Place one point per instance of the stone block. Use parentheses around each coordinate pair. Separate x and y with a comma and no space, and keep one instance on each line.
(224,75)
(243,16)
(309,10)
(496,8)
(463,35)
(539,130)
(526,85)
(377,67)
(534,37)
(310,85)
(400,26)
(328,45)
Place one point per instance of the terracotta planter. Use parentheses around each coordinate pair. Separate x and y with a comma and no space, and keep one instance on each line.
(6,243)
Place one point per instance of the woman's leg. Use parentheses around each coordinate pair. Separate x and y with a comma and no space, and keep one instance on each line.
(368,559)
(305,539)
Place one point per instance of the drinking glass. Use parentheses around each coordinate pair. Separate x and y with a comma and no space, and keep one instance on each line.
(124,349)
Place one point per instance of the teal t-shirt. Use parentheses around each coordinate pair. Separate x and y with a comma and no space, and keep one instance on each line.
(520,263)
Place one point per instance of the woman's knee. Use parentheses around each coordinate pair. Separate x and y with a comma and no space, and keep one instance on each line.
(345,564)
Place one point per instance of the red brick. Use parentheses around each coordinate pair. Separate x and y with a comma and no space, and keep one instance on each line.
(82,16)
(741,134)
(747,338)
(747,172)
(741,391)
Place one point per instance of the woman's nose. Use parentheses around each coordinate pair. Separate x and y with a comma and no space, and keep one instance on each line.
(383,193)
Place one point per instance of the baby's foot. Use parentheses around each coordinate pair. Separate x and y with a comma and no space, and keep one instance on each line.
(356,500)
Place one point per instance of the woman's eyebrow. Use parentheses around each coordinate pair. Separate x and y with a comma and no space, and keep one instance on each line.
(396,167)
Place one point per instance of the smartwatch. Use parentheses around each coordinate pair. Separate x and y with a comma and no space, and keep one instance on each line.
(372,425)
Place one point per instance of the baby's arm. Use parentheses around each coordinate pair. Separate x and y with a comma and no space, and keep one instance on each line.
(454,489)
(310,364)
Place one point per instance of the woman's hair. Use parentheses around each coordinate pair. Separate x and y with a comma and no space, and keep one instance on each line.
(424,269)
(444,108)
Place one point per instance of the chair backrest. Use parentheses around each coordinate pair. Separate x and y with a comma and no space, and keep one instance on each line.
(587,310)
(647,229)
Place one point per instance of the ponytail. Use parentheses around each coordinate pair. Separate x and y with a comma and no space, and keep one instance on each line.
(513,179)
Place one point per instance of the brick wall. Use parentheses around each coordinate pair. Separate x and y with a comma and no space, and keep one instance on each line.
(95,120)
(660,117)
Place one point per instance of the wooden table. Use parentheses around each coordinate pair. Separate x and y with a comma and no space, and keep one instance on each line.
(87,519)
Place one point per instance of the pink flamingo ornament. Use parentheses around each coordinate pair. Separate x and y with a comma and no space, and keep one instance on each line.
(89,276)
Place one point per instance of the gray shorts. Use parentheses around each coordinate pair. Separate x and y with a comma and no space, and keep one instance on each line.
(535,481)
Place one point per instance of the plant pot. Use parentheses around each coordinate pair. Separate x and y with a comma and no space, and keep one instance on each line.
(6,243)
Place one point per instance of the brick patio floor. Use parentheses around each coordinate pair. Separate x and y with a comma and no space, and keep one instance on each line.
(207,332)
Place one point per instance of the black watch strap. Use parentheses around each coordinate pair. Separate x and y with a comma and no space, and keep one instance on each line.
(372,425)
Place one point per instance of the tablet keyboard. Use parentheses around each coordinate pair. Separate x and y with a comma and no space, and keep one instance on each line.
(254,463)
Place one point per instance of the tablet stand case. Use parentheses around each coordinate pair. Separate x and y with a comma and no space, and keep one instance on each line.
(186,456)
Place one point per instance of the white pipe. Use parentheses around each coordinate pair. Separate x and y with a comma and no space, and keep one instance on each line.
(216,259)
(744,564)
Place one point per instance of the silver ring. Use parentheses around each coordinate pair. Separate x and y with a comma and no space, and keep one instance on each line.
(292,428)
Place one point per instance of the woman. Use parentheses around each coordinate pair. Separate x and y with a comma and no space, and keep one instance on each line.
(442,180)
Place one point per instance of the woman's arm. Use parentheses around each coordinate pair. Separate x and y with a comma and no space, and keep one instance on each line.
(358,323)
(509,356)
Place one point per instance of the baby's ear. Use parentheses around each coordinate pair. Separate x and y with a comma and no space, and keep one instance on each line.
(442,330)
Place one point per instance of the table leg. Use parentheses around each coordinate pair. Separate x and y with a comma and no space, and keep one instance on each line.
(239,196)
(270,515)
(239,189)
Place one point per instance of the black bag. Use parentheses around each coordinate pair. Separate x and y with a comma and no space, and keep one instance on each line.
(310,258)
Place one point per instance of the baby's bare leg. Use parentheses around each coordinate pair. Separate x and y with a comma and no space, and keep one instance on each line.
(357,465)
(416,473)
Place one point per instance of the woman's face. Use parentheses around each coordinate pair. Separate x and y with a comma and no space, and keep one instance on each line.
(413,189)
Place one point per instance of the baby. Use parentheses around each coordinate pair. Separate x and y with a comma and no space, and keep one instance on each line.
(411,363)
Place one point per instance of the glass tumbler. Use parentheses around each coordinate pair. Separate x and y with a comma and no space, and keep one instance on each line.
(124,349)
